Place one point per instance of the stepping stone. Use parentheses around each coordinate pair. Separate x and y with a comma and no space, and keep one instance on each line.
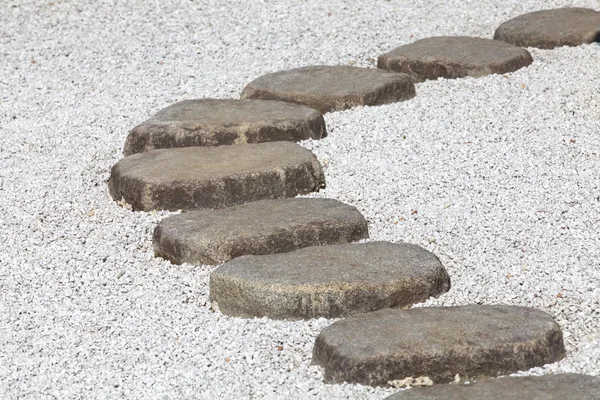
(328,281)
(454,57)
(214,177)
(437,342)
(211,122)
(332,88)
(261,227)
(547,387)
(548,29)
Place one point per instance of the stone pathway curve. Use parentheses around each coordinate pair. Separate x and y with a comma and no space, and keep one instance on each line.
(309,276)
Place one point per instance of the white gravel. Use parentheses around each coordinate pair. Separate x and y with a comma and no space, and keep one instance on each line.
(498,176)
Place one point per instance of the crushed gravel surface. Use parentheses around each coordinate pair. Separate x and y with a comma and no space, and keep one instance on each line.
(498,176)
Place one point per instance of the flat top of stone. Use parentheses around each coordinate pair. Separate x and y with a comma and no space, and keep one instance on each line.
(374,263)
(547,29)
(458,49)
(188,163)
(259,216)
(547,387)
(227,112)
(260,227)
(434,329)
(327,80)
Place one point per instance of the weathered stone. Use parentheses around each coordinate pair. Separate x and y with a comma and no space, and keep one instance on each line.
(454,57)
(547,29)
(261,227)
(328,281)
(214,177)
(437,342)
(212,122)
(547,387)
(332,88)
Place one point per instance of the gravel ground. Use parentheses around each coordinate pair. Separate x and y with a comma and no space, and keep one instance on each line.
(498,176)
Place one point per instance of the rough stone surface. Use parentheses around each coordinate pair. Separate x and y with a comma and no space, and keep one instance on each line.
(547,29)
(454,57)
(214,177)
(332,88)
(212,122)
(547,387)
(328,281)
(261,227)
(437,342)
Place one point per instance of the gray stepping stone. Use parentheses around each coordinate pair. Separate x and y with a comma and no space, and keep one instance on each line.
(437,342)
(261,227)
(547,387)
(548,29)
(332,88)
(328,281)
(212,122)
(214,177)
(454,57)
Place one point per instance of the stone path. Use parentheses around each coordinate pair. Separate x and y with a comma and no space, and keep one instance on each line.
(328,281)
(548,29)
(332,88)
(310,276)
(547,387)
(262,227)
(437,342)
(454,57)
(214,177)
(213,122)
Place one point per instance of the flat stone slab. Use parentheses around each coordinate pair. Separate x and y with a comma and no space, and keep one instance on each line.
(212,122)
(547,387)
(547,29)
(327,281)
(437,342)
(332,88)
(261,227)
(454,57)
(214,177)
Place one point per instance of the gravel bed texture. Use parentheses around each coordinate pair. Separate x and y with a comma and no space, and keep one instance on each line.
(498,176)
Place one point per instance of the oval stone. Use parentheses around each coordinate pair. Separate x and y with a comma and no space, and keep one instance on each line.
(327,281)
(214,122)
(547,29)
(260,227)
(454,57)
(437,342)
(332,88)
(192,178)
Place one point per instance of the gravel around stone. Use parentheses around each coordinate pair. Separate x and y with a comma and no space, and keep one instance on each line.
(438,342)
(328,281)
(215,122)
(261,227)
(332,88)
(547,29)
(497,176)
(214,177)
(454,57)
(548,387)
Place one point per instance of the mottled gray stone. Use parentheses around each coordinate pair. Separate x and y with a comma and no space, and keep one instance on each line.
(332,88)
(261,227)
(547,387)
(437,342)
(328,281)
(214,177)
(212,122)
(547,29)
(454,57)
